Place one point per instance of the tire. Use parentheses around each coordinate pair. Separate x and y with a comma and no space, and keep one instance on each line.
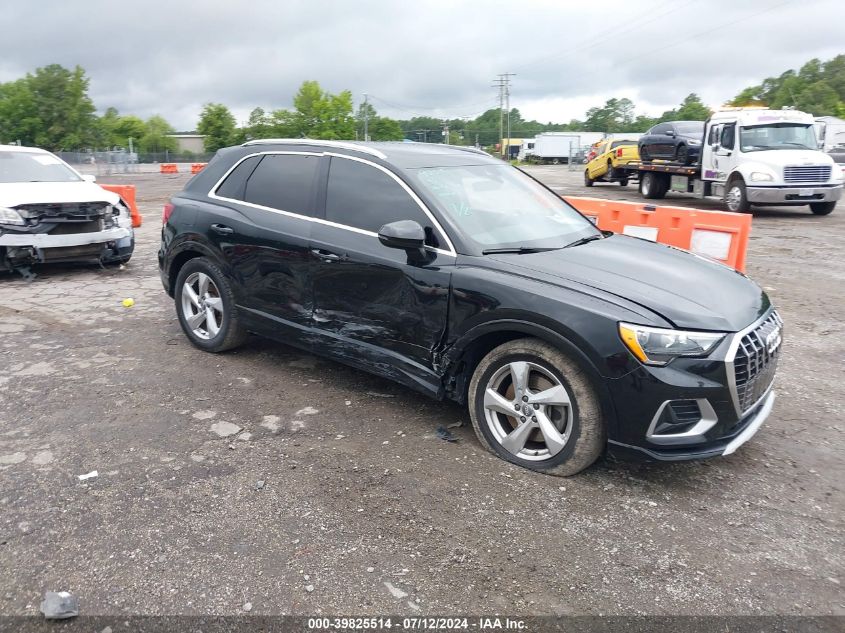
(735,196)
(588,182)
(644,155)
(623,182)
(652,186)
(212,288)
(558,439)
(822,208)
(608,176)
(682,154)
(555,161)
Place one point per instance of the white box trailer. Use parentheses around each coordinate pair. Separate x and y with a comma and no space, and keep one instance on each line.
(555,147)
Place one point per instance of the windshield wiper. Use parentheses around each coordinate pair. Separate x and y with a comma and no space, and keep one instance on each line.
(584,240)
(520,250)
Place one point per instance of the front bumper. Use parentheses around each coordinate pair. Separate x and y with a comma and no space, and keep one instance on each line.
(793,194)
(699,408)
(20,250)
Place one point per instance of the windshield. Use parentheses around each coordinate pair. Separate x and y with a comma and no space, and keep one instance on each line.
(692,128)
(34,167)
(498,206)
(756,138)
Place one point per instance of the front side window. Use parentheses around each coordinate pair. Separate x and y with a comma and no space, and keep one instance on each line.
(34,167)
(284,182)
(690,128)
(756,138)
(498,206)
(365,197)
(728,138)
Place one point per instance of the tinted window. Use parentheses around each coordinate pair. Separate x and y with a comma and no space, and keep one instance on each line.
(284,182)
(616,144)
(690,128)
(660,129)
(367,198)
(233,186)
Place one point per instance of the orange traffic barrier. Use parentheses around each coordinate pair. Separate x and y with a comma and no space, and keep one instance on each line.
(197,167)
(169,168)
(719,235)
(127,194)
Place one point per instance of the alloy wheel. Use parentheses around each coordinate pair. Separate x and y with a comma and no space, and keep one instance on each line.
(528,411)
(202,306)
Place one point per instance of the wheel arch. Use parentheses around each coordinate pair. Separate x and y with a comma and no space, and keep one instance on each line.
(181,255)
(474,345)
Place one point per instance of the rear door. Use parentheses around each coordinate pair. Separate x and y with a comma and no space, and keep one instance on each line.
(371,305)
(265,241)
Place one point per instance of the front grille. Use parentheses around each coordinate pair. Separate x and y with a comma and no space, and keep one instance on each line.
(806,173)
(71,228)
(756,361)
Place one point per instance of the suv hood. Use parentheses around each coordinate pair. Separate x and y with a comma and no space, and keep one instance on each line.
(13,194)
(688,290)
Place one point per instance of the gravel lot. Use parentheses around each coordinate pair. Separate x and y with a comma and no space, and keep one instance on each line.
(337,496)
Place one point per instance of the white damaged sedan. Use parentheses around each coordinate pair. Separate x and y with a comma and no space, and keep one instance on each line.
(51,213)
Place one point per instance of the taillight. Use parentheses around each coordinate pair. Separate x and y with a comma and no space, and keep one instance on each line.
(619,152)
(168,209)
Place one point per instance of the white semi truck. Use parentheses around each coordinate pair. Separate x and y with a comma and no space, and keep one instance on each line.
(752,156)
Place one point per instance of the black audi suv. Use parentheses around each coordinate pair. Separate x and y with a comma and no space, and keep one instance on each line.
(462,277)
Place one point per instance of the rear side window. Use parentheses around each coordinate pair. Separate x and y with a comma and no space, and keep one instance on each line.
(284,182)
(233,186)
(362,196)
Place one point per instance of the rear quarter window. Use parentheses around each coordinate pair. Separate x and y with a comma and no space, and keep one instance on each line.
(234,184)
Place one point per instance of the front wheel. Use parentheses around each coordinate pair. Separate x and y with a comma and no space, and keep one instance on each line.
(736,198)
(588,182)
(822,208)
(682,154)
(205,305)
(532,405)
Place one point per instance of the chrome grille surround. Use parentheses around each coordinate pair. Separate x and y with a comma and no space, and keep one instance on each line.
(752,361)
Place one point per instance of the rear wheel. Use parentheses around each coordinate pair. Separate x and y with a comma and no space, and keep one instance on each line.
(822,208)
(206,307)
(588,182)
(735,197)
(652,186)
(623,182)
(533,406)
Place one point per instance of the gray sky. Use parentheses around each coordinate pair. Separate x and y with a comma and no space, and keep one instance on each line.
(429,57)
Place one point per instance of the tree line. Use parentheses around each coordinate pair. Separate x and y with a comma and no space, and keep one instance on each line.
(51,108)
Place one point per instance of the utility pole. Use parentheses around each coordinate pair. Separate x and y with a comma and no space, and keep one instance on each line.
(502,82)
(446,133)
(366,116)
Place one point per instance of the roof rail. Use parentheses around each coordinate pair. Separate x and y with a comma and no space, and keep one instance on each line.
(310,141)
(467,148)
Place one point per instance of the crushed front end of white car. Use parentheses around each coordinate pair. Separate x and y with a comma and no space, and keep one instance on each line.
(49,213)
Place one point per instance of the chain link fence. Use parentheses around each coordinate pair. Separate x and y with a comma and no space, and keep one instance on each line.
(124,162)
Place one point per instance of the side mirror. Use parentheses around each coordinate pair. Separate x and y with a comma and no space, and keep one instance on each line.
(406,235)
(89,178)
(670,133)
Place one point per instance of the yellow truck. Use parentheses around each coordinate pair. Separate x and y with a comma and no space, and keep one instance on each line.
(611,154)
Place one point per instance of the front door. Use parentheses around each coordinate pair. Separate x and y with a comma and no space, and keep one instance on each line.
(372,306)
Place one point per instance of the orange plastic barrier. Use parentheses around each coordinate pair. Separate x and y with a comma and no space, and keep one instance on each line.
(169,168)
(716,234)
(197,167)
(127,193)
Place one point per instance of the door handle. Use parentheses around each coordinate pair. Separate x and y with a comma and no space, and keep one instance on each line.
(326,256)
(222,229)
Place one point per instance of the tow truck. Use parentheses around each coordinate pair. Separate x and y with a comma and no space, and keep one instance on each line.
(751,156)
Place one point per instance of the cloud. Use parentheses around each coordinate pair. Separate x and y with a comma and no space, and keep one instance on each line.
(425,57)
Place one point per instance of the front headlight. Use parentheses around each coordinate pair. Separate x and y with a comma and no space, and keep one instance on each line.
(10,217)
(657,346)
(761,176)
